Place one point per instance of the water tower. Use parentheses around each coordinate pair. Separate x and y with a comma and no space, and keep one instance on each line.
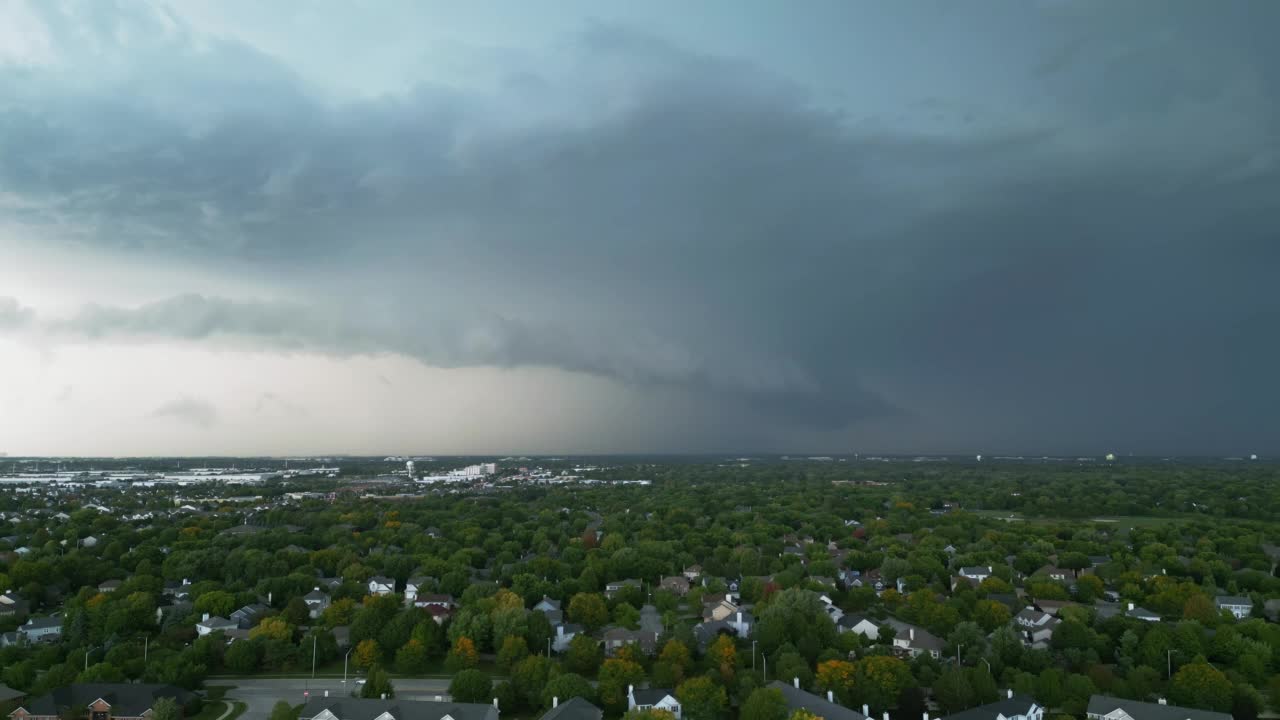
(408,468)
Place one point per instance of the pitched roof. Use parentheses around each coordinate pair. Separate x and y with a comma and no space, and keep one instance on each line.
(371,709)
(799,699)
(1232,600)
(1105,705)
(574,709)
(7,693)
(651,696)
(126,699)
(1003,708)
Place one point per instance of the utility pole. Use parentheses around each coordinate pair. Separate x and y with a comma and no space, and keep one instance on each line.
(146,643)
(314,638)
(753,656)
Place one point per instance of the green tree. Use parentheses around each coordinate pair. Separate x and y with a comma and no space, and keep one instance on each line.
(282,710)
(471,686)
(530,676)
(166,708)
(377,684)
(217,602)
(702,699)
(567,686)
(880,680)
(411,658)
(615,676)
(952,691)
(583,655)
(764,704)
(1201,685)
(296,612)
(242,657)
(513,650)
(463,655)
(590,610)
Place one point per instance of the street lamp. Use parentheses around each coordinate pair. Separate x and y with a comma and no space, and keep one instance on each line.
(753,656)
(344,666)
(314,638)
(86,657)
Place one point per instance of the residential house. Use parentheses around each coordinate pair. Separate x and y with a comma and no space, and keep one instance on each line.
(214,624)
(693,572)
(99,701)
(1054,572)
(614,588)
(7,693)
(546,605)
(89,542)
(346,708)
(653,699)
(13,605)
(720,609)
(977,573)
(1238,606)
(249,615)
(574,708)
(109,586)
(825,708)
(565,633)
(178,590)
(871,578)
(1011,707)
(832,610)
(415,585)
(859,625)
(738,625)
(950,550)
(317,601)
(46,629)
(1105,707)
(912,640)
(427,600)
(379,585)
(677,584)
(1036,626)
(439,613)
(1142,614)
(617,638)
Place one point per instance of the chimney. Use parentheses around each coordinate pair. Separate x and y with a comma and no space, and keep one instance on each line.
(326,694)
(1009,693)
(205,618)
(796,681)
(1162,701)
(912,633)
(384,696)
(831,697)
(886,715)
(495,703)
(925,715)
(317,588)
(1131,606)
(555,701)
(866,710)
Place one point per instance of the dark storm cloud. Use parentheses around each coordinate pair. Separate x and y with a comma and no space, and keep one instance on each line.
(1102,269)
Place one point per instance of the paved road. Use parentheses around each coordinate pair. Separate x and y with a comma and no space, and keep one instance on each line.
(261,695)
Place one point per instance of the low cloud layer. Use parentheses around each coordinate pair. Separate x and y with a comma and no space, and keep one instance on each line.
(1073,245)
(193,411)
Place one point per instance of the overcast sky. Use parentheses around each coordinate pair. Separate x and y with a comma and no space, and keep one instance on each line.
(242,227)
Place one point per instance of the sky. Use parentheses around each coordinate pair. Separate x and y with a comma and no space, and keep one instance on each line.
(592,226)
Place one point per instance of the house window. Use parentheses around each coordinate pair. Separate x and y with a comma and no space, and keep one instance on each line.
(98,715)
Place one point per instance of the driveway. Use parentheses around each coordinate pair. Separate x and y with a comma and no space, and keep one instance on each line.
(261,695)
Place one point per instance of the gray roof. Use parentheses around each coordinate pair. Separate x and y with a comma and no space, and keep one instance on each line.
(1105,704)
(651,696)
(41,623)
(574,709)
(850,620)
(1232,600)
(1006,707)
(7,693)
(923,639)
(126,699)
(976,570)
(799,699)
(369,709)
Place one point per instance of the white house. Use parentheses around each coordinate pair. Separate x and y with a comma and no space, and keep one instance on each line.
(413,586)
(565,633)
(1240,607)
(653,699)
(214,624)
(977,572)
(317,601)
(859,625)
(37,629)
(379,585)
